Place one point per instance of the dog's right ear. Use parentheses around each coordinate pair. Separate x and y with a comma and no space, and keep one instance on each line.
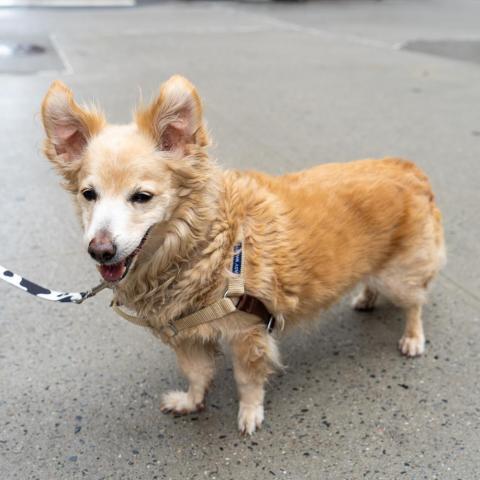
(68,127)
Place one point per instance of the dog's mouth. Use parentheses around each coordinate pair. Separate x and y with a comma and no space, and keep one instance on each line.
(114,272)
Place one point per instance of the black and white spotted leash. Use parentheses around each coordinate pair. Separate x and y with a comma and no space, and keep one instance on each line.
(47,294)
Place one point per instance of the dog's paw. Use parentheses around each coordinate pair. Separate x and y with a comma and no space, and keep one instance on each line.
(364,302)
(412,346)
(180,403)
(250,417)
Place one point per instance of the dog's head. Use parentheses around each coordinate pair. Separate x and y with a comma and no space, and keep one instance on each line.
(121,175)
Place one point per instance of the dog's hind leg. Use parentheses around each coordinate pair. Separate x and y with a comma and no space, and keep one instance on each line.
(407,289)
(197,363)
(254,356)
(365,300)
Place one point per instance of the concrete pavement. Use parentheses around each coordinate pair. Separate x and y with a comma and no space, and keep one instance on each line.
(286,86)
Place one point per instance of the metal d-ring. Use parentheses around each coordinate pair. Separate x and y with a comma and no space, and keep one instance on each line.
(271,324)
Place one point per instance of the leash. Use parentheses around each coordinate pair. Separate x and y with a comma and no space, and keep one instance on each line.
(45,293)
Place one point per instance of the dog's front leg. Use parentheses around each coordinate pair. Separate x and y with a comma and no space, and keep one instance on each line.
(197,363)
(254,355)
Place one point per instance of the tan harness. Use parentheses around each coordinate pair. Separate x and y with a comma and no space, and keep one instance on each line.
(234,299)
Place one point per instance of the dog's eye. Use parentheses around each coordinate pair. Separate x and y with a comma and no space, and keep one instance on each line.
(89,194)
(141,197)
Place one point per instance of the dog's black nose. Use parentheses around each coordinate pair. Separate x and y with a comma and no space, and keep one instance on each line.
(101,248)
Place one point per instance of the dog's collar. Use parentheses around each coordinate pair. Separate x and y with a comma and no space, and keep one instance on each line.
(235,299)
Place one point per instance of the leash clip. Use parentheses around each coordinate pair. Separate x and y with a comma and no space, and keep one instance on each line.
(91,293)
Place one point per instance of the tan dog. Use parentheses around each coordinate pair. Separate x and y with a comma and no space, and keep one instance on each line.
(161,220)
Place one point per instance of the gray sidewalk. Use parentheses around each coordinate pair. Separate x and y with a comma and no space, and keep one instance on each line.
(286,86)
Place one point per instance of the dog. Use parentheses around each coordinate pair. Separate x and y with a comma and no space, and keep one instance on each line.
(162,222)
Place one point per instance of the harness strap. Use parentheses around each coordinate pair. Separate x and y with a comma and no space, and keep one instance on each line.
(219,309)
(236,281)
(131,318)
(208,314)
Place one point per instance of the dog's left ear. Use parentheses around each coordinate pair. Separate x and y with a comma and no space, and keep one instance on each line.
(175,117)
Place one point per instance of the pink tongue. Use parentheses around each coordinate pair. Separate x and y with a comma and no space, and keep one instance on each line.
(112,273)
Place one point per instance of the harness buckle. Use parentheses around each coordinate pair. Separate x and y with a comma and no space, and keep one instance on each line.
(172,327)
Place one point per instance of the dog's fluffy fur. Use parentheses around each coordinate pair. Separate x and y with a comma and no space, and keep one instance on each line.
(309,236)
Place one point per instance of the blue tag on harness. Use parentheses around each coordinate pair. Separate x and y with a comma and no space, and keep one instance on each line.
(237,259)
